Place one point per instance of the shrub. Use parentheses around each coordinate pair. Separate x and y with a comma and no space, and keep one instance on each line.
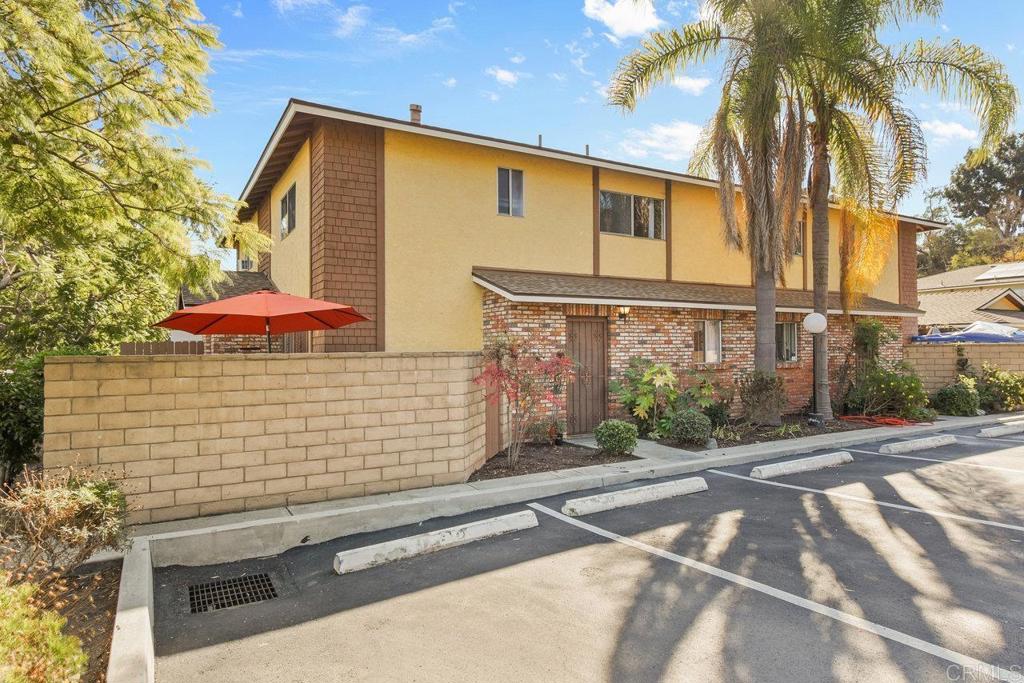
(958,398)
(869,336)
(60,520)
(763,397)
(530,385)
(616,437)
(892,391)
(32,646)
(649,392)
(21,412)
(718,413)
(691,426)
(547,431)
(1000,390)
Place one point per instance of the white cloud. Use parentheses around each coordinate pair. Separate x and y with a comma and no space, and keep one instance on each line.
(949,131)
(289,5)
(394,37)
(612,39)
(351,21)
(600,89)
(673,141)
(691,85)
(625,18)
(588,32)
(555,76)
(453,7)
(676,7)
(490,95)
(503,76)
(241,56)
(449,82)
(579,57)
(1010,47)
(235,11)
(944,27)
(517,58)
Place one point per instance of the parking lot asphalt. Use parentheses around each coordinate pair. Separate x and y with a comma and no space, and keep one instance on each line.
(885,569)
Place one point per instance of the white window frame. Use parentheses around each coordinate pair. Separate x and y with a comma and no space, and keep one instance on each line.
(522,201)
(632,216)
(718,347)
(796,343)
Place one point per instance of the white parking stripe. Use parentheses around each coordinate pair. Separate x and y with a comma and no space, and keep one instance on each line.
(969,663)
(944,462)
(870,501)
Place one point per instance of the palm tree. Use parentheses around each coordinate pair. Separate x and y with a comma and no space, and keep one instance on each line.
(860,129)
(756,137)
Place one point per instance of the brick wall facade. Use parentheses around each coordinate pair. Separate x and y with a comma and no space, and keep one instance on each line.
(936,363)
(346,203)
(665,335)
(907,254)
(202,435)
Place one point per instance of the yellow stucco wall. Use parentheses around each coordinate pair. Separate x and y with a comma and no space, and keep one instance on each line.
(699,253)
(290,264)
(626,256)
(441,220)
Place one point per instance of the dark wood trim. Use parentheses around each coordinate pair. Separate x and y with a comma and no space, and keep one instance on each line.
(668,230)
(380,239)
(597,220)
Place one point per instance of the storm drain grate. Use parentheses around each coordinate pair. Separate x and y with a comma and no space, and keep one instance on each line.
(207,597)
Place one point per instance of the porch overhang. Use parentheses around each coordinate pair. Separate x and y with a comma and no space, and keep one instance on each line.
(523,286)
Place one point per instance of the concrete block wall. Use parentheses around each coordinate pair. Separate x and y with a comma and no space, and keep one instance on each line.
(188,436)
(936,363)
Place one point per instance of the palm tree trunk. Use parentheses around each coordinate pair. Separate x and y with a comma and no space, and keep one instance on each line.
(764,329)
(819,191)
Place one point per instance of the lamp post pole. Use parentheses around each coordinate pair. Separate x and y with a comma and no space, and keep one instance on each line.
(815,323)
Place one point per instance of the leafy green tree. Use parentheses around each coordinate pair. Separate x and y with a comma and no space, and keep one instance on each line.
(756,137)
(100,217)
(991,191)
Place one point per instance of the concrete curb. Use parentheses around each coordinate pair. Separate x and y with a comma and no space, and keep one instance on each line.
(261,533)
(1003,430)
(357,559)
(918,444)
(817,462)
(634,496)
(132,658)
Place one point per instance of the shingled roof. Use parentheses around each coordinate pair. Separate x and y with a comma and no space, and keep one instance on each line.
(960,307)
(236,283)
(522,285)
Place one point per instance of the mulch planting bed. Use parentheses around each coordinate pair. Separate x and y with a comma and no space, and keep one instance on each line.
(750,434)
(90,607)
(545,458)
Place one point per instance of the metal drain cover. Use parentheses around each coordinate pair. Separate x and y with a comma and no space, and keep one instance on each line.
(243,590)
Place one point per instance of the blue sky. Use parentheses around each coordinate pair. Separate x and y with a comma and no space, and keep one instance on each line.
(511,70)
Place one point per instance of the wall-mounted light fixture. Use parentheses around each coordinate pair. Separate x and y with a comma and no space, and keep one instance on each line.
(623,312)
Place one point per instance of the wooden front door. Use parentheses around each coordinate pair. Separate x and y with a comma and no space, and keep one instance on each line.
(587,346)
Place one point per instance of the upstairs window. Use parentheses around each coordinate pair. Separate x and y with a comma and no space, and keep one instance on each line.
(288,211)
(785,342)
(801,230)
(510,192)
(707,341)
(630,214)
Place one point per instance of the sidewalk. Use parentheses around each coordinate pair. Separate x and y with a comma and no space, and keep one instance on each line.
(232,537)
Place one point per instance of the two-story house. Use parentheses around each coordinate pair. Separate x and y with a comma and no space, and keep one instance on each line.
(441,236)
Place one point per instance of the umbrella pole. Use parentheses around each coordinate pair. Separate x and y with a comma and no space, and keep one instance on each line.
(267,322)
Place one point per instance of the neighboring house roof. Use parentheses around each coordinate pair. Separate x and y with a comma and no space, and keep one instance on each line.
(535,286)
(959,307)
(987,275)
(236,283)
(296,123)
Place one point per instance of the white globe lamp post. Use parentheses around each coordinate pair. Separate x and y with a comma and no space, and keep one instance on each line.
(815,323)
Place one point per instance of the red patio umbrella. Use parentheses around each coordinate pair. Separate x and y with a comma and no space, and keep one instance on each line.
(262,312)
